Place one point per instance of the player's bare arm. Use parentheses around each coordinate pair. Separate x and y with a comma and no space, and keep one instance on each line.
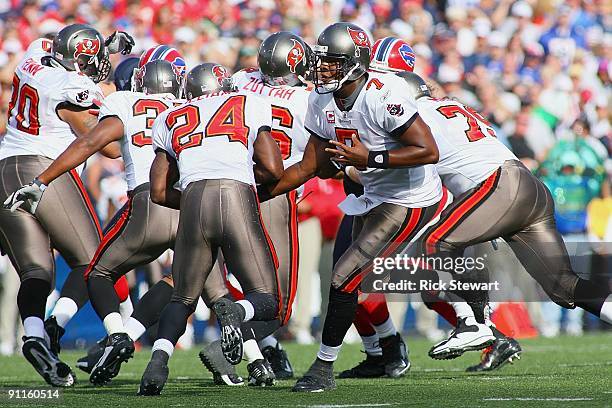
(420,148)
(82,122)
(108,130)
(315,162)
(267,157)
(163,175)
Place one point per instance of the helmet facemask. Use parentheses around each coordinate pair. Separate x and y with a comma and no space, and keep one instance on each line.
(95,68)
(331,71)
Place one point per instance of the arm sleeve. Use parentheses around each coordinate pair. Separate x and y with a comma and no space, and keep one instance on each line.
(117,105)
(313,122)
(79,90)
(396,109)
(161,135)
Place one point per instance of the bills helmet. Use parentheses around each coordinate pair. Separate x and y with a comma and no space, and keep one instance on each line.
(283,59)
(123,74)
(342,54)
(206,78)
(158,77)
(391,54)
(79,47)
(164,53)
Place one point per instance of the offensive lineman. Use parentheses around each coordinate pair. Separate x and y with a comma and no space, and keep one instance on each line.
(52,95)
(209,145)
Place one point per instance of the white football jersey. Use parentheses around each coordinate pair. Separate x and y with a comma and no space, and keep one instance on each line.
(469,150)
(212,137)
(137,111)
(381,108)
(289,105)
(34,128)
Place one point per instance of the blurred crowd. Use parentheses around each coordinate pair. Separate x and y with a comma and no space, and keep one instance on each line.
(539,70)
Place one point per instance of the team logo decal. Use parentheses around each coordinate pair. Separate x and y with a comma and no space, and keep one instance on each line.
(407,54)
(395,109)
(295,56)
(82,96)
(220,73)
(140,73)
(87,47)
(360,38)
(331,116)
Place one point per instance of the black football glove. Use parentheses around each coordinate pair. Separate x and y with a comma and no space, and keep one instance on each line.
(119,41)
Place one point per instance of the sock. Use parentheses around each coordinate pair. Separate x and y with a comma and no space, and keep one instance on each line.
(173,321)
(163,345)
(462,309)
(149,307)
(376,307)
(249,310)
(362,322)
(102,295)
(445,310)
(34,327)
(328,353)
(371,345)
(64,309)
(251,351)
(262,329)
(32,298)
(269,341)
(113,323)
(340,315)
(605,313)
(594,299)
(126,308)
(134,328)
(386,329)
(75,287)
(122,288)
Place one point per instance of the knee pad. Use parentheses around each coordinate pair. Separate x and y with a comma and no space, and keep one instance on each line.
(187,301)
(266,305)
(37,273)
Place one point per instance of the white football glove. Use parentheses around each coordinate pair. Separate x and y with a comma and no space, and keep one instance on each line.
(32,192)
(119,41)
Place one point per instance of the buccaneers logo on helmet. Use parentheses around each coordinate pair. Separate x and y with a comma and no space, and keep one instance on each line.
(360,38)
(220,73)
(87,47)
(295,55)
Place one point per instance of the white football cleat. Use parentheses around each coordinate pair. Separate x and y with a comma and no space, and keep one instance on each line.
(469,335)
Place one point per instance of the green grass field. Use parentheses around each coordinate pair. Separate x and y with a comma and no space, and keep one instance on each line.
(567,371)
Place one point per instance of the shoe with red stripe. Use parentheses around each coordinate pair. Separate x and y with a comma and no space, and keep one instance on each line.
(469,335)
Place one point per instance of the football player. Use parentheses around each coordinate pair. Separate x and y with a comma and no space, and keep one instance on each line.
(403,192)
(496,187)
(141,231)
(372,319)
(281,79)
(54,87)
(209,146)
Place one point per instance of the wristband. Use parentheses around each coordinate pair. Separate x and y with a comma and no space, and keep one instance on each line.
(39,184)
(378,159)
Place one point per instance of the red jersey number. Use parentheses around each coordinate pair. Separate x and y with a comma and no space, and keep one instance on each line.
(26,100)
(474,132)
(285,120)
(152,108)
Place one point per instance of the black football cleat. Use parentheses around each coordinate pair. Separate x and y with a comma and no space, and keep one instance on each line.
(395,356)
(371,367)
(94,353)
(55,333)
(230,316)
(155,376)
(467,336)
(277,357)
(260,373)
(318,378)
(46,363)
(504,350)
(118,349)
(223,372)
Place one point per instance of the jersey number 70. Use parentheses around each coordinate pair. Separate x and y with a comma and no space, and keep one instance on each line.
(474,132)
(22,97)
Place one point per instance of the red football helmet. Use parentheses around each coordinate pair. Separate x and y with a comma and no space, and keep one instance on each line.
(162,52)
(391,54)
